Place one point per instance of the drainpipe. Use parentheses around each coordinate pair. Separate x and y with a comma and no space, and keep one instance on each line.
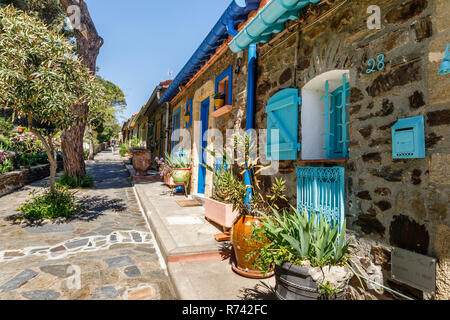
(167,127)
(250,119)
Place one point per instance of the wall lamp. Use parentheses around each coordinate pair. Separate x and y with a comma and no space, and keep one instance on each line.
(445,65)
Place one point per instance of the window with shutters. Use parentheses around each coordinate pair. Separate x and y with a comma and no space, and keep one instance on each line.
(282,126)
(325,116)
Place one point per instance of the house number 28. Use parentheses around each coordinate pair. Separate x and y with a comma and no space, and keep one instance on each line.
(376,65)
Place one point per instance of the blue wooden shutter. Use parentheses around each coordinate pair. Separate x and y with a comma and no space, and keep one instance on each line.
(336,120)
(322,190)
(282,114)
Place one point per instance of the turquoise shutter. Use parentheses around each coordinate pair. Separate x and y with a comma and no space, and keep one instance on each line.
(328,99)
(336,120)
(282,114)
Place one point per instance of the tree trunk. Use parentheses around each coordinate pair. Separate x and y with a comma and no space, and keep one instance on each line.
(91,143)
(53,169)
(88,47)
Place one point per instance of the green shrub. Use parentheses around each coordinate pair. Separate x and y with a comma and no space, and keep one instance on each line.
(50,205)
(6,127)
(5,143)
(293,236)
(123,149)
(74,182)
(6,166)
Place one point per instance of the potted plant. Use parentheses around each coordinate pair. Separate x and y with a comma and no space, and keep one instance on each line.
(310,255)
(164,171)
(219,207)
(142,161)
(248,200)
(219,100)
(180,165)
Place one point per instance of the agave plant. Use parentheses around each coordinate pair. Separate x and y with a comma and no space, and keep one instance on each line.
(178,161)
(294,236)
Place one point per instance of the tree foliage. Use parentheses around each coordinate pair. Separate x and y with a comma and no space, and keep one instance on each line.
(41,77)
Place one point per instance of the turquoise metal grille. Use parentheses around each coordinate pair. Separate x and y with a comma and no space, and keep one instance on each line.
(322,190)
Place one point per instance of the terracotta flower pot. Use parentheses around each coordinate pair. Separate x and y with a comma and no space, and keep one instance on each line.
(142,160)
(168,180)
(242,232)
(181,175)
(220,213)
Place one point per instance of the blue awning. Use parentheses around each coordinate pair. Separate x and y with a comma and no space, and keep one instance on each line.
(237,12)
(271,19)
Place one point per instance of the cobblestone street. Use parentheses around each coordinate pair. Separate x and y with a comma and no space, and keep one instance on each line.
(108,252)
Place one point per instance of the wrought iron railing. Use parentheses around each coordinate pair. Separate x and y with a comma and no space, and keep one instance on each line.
(322,190)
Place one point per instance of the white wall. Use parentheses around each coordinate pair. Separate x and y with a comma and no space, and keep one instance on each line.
(313,126)
(312,113)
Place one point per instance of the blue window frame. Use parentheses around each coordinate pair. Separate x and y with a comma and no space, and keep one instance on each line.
(189,111)
(336,120)
(224,84)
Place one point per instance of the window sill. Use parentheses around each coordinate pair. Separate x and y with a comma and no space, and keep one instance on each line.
(222,111)
(324,161)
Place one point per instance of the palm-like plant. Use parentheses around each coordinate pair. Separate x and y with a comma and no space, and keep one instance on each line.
(294,236)
(178,161)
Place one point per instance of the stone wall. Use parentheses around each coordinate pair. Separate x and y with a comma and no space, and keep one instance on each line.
(401,203)
(14,180)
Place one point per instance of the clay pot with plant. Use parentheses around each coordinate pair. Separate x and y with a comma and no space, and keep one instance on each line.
(249,200)
(180,165)
(310,254)
(219,207)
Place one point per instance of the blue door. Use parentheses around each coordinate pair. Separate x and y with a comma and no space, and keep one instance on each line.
(176,126)
(204,114)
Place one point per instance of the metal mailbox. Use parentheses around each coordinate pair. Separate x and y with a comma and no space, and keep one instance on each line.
(408,138)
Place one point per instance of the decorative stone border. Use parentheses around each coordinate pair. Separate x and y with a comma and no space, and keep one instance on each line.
(79,245)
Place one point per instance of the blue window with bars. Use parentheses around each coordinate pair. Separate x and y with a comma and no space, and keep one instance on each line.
(337,120)
(322,190)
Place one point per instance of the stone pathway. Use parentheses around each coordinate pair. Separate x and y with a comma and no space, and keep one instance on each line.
(106,253)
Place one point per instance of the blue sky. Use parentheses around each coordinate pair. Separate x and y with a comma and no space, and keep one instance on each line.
(144,39)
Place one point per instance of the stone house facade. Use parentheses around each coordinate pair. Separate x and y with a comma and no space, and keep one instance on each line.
(388,202)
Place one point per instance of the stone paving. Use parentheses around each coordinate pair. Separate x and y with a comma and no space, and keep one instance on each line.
(108,252)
